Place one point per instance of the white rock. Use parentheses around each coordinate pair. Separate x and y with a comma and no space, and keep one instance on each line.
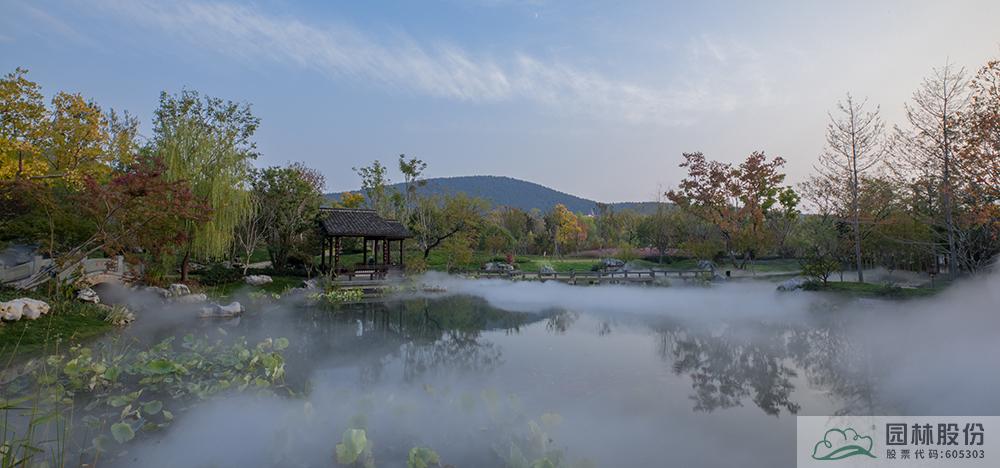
(24,307)
(498,266)
(33,308)
(216,310)
(257,280)
(163,293)
(11,310)
(792,284)
(178,290)
(88,295)
(310,284)
(547,270)
(190,298)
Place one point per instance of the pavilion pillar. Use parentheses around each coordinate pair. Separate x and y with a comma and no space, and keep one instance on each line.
(364,240)
(336,253)
(385,252)
(322,254)
(401,252)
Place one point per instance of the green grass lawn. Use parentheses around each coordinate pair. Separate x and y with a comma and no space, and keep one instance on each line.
(881,290)
(437,261)
(68,321)
(279,285)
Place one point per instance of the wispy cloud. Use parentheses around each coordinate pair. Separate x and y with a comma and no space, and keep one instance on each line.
(440,70)
(52,24)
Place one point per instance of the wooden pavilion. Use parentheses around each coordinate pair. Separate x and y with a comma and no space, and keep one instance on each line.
(382,235)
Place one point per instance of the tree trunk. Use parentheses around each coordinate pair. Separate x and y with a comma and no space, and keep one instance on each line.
(856,222)
(948,220)
(185,265)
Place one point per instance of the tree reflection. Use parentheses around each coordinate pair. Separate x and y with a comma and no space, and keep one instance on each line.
(456,351)
(726,369)
(431,336)
(759,362)
(561,321)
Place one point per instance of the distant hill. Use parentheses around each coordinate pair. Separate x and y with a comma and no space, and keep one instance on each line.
(516,193)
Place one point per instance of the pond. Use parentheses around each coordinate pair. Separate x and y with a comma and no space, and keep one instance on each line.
(494,373)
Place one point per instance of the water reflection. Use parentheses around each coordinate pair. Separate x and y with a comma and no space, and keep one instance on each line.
(729,367)
(727,364)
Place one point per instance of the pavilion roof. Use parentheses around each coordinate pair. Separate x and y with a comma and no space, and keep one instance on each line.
(356,222)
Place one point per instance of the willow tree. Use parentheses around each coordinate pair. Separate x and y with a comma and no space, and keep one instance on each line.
(208,142)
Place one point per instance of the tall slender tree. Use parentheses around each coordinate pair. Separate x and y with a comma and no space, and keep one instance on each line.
(927,148)
(855,143)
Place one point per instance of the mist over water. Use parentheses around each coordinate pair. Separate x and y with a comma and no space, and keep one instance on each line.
(614,375)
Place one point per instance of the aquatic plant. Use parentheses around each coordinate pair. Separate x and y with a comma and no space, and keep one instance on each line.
(355,449)
(119,316)
(338,296)
(118,393)
(264,296)
(422,457)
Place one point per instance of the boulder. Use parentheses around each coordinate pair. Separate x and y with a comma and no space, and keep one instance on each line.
(178,290)
(257,280)
(190,298)
(498,266)
(612,264)
(706,265)
(88,295)
(24,307)
(163,293)
(547,270)
(215,310)
(33,308)
(11,310)
(310,284)
(792,284)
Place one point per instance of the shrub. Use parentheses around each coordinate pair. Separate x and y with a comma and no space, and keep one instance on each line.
(217,274)
(819,269)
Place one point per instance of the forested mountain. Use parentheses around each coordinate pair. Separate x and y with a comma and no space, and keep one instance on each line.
(507,191)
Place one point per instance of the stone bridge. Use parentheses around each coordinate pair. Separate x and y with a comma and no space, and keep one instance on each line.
(88,272)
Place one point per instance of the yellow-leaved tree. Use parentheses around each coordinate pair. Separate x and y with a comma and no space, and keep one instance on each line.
(22,124)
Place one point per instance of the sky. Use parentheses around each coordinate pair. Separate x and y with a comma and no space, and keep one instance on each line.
(595,98)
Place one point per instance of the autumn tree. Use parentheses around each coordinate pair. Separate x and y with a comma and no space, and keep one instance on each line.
(568,232)
(855,144)
(735,200)
(22,117)
(927,149)
(979,161)
(351,200)
(137,213)
(208,143)
(77,139)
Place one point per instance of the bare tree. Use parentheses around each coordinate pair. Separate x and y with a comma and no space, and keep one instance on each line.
(855,143)
(927,149)
(250,234)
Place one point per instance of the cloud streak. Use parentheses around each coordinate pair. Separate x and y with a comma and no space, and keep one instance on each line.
(441,70)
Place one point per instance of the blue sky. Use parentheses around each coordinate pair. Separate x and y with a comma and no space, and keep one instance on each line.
(596,98)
